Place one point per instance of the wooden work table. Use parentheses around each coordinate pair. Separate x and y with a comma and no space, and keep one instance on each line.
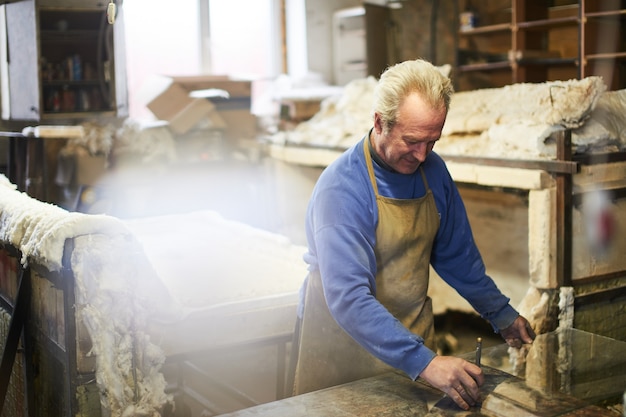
(394,395)
(590,371)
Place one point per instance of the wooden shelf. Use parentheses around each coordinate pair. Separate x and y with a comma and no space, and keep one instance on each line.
(104,114)
(60,83)
(610,13)
(617,55)
(487,66)
(73,36)
(481,30)
(573,40)
(601,23)
(548,23)
(548,61)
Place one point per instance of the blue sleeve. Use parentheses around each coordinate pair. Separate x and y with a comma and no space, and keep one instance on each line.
(455,255)
(341,228)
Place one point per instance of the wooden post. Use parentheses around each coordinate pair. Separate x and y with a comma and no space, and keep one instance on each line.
(564,212)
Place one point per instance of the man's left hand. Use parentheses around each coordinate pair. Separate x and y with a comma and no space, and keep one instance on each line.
(518,333)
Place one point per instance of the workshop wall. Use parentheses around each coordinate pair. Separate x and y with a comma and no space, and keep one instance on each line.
(426,29)
(319,19)
(419,29)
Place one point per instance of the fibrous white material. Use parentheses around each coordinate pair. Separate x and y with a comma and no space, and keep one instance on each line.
(145,145)
(342,120)
(515,121)
(607,121)
(566,308)
(110,278)
(518,121)
(564,103)
(40,229)
(205,260)
(130,274)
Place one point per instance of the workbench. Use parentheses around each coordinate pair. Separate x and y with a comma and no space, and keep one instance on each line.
(78,291)
(594,372)
(29,163)
(553,193)
(395,395)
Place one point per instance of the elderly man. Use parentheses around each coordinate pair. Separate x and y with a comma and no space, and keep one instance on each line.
(378,217)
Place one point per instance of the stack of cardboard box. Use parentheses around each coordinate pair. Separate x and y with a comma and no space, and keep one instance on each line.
(206,106)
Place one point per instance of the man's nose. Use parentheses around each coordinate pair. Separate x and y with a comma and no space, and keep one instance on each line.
(420,151)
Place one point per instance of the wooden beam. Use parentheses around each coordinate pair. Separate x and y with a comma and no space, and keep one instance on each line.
(561,167)
(18,320)
(564,212)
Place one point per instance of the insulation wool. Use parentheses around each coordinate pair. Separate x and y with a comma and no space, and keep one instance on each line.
(519,120)
(40,229)
(515,121)
(113,305)
(245,262)
(610,115)
(98,139)
(144,144)
(107,293)
(564,103)
(343,118)
(341,121)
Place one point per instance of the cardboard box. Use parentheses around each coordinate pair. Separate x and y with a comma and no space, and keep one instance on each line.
(172,102)
(194,111)
(169,102)
(240,124)
(299,110)
(90,168)
(234,88)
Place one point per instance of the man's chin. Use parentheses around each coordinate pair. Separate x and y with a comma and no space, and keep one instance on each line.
(407,169)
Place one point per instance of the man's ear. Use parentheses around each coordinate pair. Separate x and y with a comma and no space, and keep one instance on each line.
(378,123)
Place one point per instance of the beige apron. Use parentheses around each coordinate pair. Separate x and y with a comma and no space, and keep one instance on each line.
(328,356)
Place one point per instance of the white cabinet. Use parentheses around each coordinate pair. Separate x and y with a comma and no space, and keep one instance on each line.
(62,61)
(349,45)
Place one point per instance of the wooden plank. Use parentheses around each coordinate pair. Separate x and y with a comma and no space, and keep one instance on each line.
(493,176)
(54,131)
(593,176)
(561,167)
(542,239)
(14,334)
(307,156)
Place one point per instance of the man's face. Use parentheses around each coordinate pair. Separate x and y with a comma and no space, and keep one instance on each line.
(407,144)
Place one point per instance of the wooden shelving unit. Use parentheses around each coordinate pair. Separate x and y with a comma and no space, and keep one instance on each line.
(527,41)
(603,43)
(75,63)
(483,48)
(63,62)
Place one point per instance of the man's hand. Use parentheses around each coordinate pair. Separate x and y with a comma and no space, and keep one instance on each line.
(518,333)
(457,378)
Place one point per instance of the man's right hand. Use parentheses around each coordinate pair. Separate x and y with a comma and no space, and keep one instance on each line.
(456,377)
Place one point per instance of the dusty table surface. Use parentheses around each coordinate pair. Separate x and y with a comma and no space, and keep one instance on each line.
(551,391)
(395,395)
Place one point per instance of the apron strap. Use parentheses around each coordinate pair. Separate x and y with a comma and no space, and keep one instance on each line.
(367,148)
(368,162)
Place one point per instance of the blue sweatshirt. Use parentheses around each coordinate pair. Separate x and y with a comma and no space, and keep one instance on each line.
(341,233)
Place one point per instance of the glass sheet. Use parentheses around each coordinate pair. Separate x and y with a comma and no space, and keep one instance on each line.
(563,366)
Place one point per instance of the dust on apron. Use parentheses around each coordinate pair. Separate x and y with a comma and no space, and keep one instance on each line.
(327,355)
